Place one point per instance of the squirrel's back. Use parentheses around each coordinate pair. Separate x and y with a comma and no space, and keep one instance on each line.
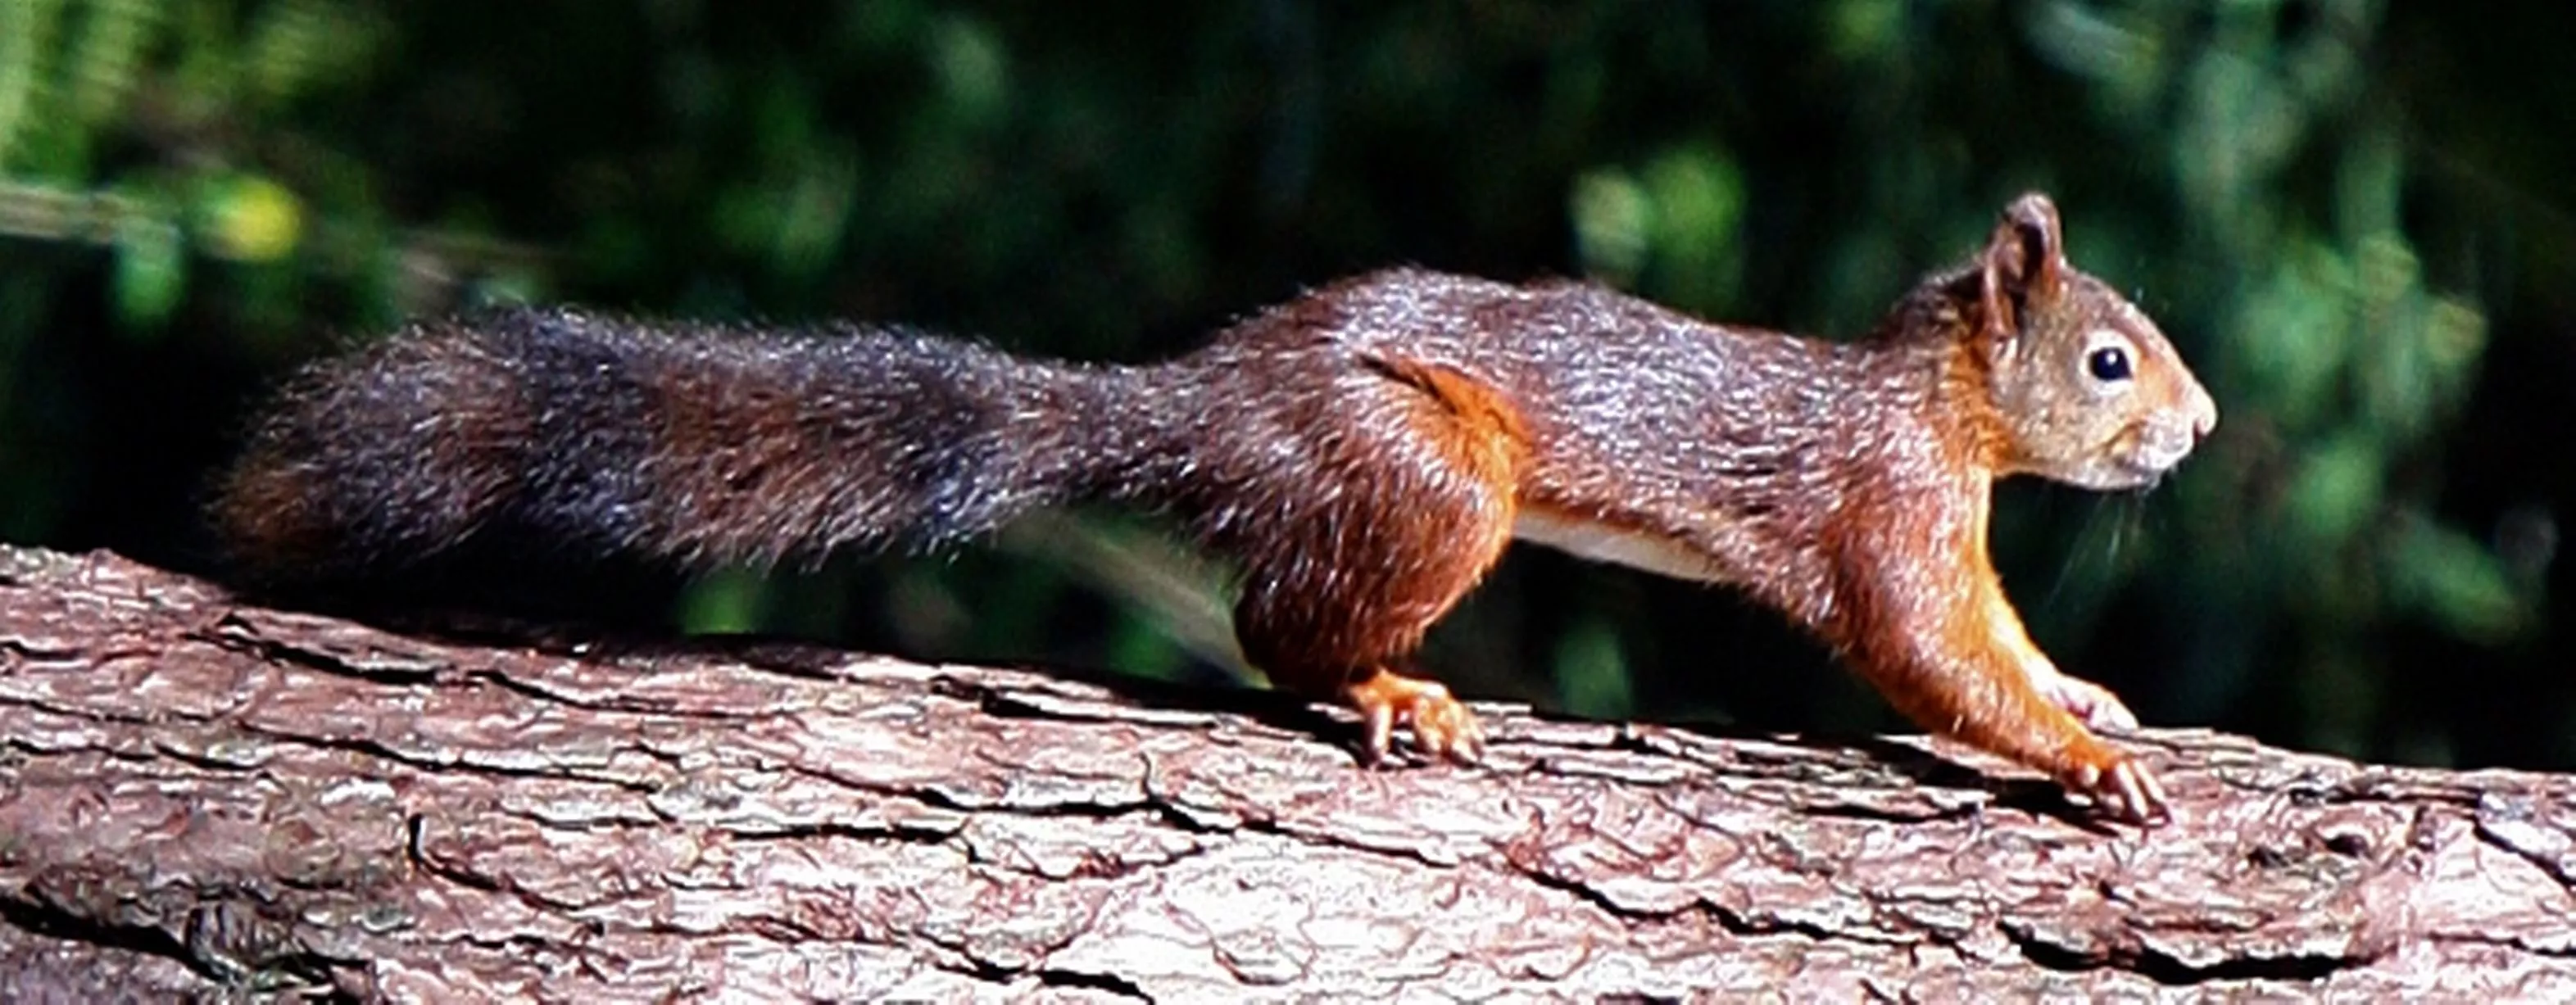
(1656,439)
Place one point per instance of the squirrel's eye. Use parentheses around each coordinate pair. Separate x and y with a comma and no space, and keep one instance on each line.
(2108,363)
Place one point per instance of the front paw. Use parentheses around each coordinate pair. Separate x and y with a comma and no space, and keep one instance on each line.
(2090,703)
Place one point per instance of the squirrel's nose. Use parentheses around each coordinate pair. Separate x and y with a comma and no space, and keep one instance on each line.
(2204,411)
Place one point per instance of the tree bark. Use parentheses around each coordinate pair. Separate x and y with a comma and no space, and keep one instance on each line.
(207,798)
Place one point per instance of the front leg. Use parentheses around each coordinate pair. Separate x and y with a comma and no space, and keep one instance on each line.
(1948,651)
(2090,703)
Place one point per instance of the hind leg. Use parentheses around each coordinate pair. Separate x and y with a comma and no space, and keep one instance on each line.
(1408,504)
(1365,674)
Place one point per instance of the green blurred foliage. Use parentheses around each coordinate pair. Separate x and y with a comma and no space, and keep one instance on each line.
(2348,214)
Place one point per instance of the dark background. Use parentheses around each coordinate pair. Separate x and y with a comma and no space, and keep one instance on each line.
(2353,217)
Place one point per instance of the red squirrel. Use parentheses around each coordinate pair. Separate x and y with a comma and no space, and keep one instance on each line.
(1363,452)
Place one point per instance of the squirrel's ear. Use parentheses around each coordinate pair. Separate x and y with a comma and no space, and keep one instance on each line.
(2024,263)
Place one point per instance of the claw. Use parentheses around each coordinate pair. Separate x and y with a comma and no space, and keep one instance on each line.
(1379,731)
(2142,798)
(2127,792)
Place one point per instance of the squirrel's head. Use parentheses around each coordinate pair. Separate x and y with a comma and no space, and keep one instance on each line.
(2087,390)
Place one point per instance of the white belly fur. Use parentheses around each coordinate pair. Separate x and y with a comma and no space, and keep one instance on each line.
(1657,555)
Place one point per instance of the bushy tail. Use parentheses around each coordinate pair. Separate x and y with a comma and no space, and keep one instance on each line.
(703,446)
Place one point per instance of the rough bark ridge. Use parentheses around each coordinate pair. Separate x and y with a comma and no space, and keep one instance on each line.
(201,797)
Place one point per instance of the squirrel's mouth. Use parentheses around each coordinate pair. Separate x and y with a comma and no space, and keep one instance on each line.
(2148,452)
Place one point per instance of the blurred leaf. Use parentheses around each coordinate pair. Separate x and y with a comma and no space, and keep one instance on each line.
(107,57)
(1699,202)
(151,272)
(2456,581)
(2110,45)
(1862,30)
(2336,493)
(1674,226)
(972,68)
(251,219)
(2293,335)
(1611,217)
(2455,341)
(27,38)
(296,45)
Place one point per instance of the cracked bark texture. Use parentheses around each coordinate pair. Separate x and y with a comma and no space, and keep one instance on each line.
(204,798)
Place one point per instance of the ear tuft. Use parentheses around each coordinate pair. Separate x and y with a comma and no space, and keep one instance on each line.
(2024,263)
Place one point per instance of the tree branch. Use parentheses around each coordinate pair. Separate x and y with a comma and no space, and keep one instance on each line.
(207,797)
